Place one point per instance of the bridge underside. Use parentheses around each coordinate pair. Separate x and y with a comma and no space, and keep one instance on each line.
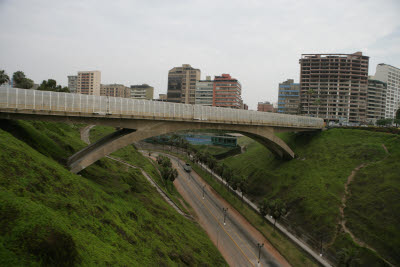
(134,130)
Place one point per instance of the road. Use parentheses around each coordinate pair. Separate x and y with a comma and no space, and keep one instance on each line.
(236,239)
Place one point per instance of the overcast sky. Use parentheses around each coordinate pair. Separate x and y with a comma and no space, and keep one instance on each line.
(134,42)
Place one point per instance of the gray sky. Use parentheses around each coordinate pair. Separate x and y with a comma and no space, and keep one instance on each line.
(135,42)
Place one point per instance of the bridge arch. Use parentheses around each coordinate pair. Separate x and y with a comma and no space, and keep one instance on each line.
(143,129)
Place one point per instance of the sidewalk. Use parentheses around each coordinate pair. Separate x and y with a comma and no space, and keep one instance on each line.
(300,243)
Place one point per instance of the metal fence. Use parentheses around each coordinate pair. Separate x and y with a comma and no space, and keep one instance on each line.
(26,99)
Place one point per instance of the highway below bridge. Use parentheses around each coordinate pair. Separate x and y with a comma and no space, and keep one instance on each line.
(236,239)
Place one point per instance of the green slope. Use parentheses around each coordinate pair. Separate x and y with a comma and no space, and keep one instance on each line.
(312,185)
(107,215)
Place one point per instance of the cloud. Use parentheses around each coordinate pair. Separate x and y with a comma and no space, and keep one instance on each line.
(258,42)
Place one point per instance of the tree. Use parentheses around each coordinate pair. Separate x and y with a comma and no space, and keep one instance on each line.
(51,85)
(309,93)
(20,81)
(243,186)
(348,256)
(3,77)
(317,102)
(398,114)
(263,207)
(278,209)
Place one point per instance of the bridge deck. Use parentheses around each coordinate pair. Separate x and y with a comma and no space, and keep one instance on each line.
(13,100)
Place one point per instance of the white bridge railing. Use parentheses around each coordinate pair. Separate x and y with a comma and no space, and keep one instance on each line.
(26,100)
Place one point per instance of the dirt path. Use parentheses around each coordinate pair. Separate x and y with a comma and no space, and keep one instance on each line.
(346,195)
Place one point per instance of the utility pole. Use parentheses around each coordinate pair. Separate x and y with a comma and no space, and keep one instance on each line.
(224,210)
(259,246)
(204,186)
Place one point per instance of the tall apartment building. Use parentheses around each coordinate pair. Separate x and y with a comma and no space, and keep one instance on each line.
(72,83)
(89,82)
(376,100)
(391,76)
(115,90)
(204,92)
(227,92)
(143,91)
(265,107)
(289,97)
(334,86)
(182,84)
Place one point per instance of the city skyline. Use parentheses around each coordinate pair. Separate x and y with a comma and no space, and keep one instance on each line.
(261,46)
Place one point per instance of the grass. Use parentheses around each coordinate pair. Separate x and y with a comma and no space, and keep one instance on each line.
(107,215)
(135,158)
(312,185)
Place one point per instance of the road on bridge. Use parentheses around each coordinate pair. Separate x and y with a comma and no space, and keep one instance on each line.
(236,239)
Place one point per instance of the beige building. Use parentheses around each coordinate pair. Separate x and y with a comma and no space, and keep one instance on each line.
(182,84)
(143,91)
(162,97)
(115,90)
(88,82)
(334,86)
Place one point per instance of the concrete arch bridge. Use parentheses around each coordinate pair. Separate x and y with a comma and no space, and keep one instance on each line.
(141,119)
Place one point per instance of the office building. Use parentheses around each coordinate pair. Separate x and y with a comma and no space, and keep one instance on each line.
(334,86)
(73,83)
(227,92)
(391,76)
(89,82)
(114,90)
(376,100)
(182,84)
(143,91)
(204,92)
(265,107)
(289,97)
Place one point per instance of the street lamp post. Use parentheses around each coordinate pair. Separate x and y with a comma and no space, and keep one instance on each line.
(204,186)
(259,251)
(225,211)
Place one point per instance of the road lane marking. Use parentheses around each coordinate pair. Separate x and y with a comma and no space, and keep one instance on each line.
(201,199)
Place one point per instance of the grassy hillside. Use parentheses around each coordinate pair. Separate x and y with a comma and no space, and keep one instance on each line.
(312,185)
(107,215)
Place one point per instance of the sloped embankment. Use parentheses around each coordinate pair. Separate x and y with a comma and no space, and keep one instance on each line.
(313,185)
(108,215)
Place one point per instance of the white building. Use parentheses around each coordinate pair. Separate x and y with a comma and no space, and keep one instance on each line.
(204,92)
(391,76)
(72,83)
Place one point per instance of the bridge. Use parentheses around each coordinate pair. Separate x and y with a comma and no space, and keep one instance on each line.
(141,119)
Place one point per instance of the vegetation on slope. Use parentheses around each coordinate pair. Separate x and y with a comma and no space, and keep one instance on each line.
(312,185)
(108,215)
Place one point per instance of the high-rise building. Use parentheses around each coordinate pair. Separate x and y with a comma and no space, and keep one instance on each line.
(265,107)
(334,86)
(289,97)
(376,100)
(143,91)
(72,83)
(182,84)
(115,90)
(89,82)
(391,76)
(204,92)
(227,92)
